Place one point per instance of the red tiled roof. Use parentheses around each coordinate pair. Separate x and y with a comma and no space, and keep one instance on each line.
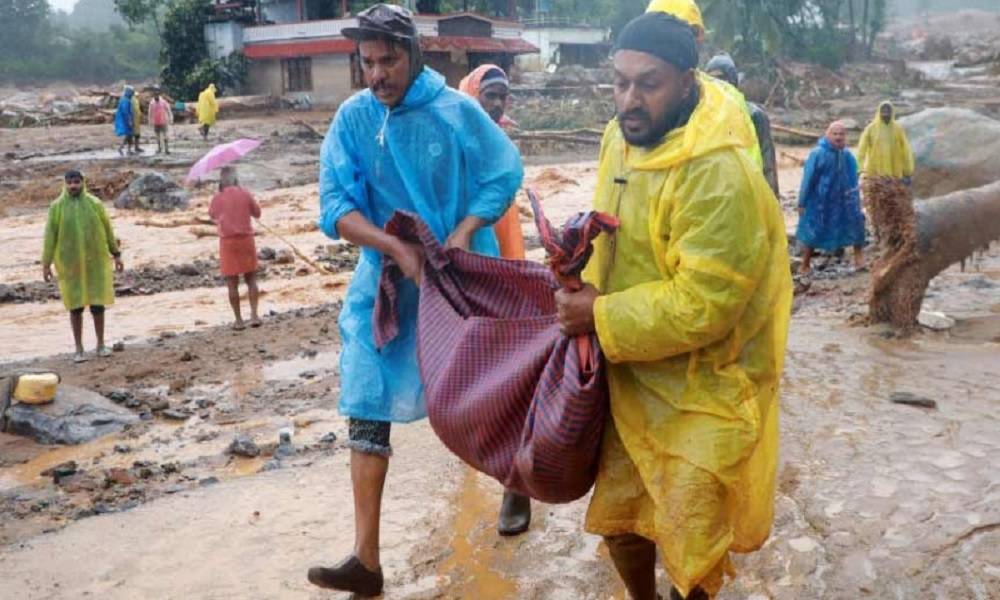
(477,44)
(303,48)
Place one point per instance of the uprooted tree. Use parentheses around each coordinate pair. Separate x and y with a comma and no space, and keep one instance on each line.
(919,240)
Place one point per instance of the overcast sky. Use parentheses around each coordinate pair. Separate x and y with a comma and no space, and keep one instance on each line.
(66,5)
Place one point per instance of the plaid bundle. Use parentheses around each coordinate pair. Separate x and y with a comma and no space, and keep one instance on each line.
(505,390)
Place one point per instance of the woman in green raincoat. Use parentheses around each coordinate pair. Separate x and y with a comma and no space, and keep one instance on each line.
(80,241)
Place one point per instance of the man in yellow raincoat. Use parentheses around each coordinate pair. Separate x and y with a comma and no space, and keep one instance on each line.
(688,11)
(208,109)
(885,150)
(690,300)
(80,241)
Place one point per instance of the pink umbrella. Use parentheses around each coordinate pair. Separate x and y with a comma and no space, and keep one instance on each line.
(221,156)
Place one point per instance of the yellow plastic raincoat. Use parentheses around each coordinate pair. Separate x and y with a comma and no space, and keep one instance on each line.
(693,318)
(136,114)
(685,10)
(80,240)
(208,107)
(885,150)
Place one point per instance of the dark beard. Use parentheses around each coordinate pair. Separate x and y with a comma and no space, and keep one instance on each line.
(673,120)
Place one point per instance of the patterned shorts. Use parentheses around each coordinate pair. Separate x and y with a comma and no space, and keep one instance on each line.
(369,437)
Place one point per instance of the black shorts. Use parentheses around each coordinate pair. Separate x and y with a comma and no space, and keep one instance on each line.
(369,437)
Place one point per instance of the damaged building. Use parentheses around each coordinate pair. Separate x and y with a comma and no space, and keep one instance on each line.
(292,54)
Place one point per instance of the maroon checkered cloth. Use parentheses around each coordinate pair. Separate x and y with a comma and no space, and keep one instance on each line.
(505,390)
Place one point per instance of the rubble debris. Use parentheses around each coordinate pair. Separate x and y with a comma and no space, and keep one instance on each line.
(153,191)
(243,446)
(938,321)
(76,416)
(60,471)
(908,399)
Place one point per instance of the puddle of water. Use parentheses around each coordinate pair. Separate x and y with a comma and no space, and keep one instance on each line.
(469,567)
(978,329)
(29,473)
(290,369)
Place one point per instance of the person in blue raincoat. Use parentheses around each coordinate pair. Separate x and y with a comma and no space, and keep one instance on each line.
(125,121)
(410,143)
(830,216)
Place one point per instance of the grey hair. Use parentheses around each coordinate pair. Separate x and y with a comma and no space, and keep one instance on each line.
(228,178)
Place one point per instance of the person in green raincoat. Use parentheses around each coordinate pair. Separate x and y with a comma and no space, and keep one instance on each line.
(80,241)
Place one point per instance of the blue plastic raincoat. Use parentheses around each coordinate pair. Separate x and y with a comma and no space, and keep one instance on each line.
(832,217)
(124,119)
(438,155)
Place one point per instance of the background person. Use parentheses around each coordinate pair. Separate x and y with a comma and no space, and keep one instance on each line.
(830,216)
(80,241)
(233,210)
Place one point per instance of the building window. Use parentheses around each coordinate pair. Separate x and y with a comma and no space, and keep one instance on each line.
(298,74)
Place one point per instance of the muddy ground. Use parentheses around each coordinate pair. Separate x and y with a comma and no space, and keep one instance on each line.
(876,499)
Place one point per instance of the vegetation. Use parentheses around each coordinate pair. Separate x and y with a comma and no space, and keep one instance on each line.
(187,68)
(34,47)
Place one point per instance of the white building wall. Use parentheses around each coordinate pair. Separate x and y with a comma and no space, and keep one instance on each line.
(548,39)
(331,78)
(223,39)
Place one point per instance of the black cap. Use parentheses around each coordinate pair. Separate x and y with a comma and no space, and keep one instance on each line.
(73,174)
(663,36)
(383,20)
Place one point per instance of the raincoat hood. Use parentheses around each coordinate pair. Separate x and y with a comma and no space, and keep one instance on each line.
(717,122)
(878,113)
(724,64)
(427,85)
(884,150)
(685,10)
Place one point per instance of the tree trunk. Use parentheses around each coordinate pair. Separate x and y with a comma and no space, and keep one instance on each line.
(864,24)
(920,240)
(853,25)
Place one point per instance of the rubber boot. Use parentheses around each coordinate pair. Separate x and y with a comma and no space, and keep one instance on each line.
(635,559)
(515,514)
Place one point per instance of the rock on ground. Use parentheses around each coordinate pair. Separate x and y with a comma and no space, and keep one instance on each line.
(153,191)
(74,417)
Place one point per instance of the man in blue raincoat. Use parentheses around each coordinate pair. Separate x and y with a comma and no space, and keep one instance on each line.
(125,121)
(409,143)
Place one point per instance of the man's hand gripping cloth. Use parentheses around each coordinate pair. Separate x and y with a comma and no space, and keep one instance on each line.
(505,390)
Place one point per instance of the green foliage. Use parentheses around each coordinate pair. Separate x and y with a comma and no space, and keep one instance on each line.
(187,68)
(137,12)
(33,48)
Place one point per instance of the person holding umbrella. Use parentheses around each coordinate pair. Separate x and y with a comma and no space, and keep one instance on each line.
(232,210)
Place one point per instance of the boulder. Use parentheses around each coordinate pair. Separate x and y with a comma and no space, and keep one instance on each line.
(153,191)
(941,139)
(75,417)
